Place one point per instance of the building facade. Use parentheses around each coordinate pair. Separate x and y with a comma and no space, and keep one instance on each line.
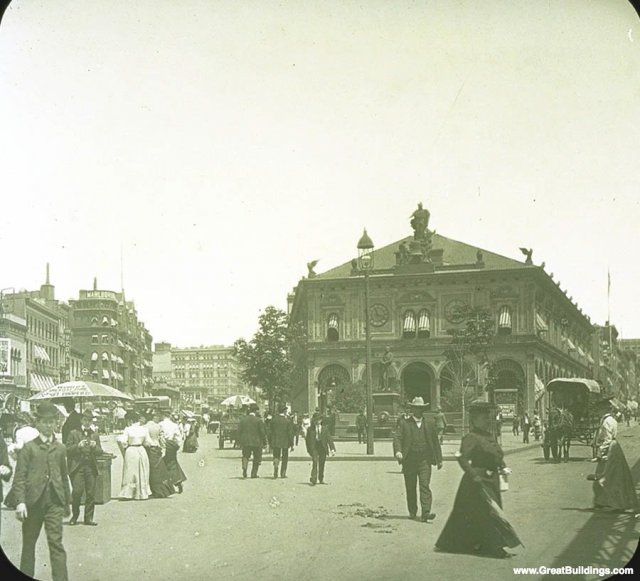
(418,287)
(205,375)
(115,345)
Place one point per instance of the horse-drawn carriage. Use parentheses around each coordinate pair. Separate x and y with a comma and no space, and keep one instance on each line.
(572,414)
(228,429)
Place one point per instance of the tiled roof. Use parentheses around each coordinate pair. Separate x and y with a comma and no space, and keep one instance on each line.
(454,253)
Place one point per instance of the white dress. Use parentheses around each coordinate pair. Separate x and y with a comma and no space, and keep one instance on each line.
(135,471)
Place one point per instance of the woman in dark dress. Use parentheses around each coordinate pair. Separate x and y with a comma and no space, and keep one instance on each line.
(191,440)
(159,477)
(477,524)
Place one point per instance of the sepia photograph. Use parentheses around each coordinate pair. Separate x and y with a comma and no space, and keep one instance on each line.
(307,290)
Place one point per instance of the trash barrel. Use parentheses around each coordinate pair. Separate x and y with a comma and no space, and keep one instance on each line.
(103,481)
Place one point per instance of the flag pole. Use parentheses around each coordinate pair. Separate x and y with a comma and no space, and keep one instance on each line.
(609,306)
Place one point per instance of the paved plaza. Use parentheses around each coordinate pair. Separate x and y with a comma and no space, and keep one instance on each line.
(353,528)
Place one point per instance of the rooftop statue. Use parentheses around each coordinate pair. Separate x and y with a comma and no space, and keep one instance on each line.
(420,222)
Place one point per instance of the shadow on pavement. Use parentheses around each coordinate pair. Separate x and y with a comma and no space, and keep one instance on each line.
(607,539)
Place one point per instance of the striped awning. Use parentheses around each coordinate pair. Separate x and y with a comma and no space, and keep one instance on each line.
(333,321)
(581,352)
(36,385)
(114,357)
(47,381)
(105,374)
(423,321)
(94,356)
(40,353)
(504,319)
(409,325)
(120,360)
(105,356)
(570,345)
(540,323)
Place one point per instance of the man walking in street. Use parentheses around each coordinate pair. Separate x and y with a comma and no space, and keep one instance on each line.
(416,447)
(73,421)
(83,448)
(526,427)
(441,424)
(252,438)
(361,426)
(41,487)
(281,434)
(319,443)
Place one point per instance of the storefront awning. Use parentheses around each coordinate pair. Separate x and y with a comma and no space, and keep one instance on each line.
(40,353)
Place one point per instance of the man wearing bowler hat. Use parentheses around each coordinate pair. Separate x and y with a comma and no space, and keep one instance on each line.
(417,448)
(83,449)
(41,488)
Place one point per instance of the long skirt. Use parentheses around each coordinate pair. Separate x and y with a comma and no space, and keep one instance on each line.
(135,474)
(613,485)
(477,523)
(190,443)
(176,475)
(159,479)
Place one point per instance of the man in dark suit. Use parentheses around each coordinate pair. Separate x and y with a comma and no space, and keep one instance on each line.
(5,466)
(281,434)
(319,442)
(41,487)
(417,448)
(361,426)
(73,421)
(252,437)
(83,448)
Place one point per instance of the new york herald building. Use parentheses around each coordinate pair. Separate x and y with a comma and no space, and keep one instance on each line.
(417,288)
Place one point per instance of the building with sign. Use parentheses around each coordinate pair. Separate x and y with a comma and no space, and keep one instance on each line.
(205,375)
(115,345)
(418,287)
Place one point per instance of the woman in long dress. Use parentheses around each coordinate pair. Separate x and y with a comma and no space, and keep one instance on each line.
(173,441)
(159,479)
(477,524)
(191,439)
(613,487)
(135,470)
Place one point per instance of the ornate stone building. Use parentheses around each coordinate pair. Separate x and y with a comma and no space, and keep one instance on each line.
(417,288)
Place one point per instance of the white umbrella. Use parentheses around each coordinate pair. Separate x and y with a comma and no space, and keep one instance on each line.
(237,401)
(82,390)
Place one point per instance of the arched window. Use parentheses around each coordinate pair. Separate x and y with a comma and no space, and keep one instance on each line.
(504,321)
(424,325)
(94,321)
(409,325)
(332,327)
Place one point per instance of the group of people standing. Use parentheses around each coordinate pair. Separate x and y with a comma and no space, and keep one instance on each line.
(150,451)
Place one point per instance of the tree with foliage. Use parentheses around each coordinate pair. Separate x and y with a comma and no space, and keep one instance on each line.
(351,399)
(467,354)
(268,360)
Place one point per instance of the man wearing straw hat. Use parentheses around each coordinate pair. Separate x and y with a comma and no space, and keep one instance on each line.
(417,448)
(41,488)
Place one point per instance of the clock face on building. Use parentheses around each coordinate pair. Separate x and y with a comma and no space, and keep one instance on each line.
(454,311)
(378,315)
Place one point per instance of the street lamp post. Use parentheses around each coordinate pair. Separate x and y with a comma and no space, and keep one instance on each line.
(365,265)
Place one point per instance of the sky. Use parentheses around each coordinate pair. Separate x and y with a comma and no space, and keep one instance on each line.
(222,145)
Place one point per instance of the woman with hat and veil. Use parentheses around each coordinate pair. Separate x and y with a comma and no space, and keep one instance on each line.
(477,524)
(613,487)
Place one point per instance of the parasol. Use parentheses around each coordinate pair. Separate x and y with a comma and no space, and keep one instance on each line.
(81,390)
(237,401)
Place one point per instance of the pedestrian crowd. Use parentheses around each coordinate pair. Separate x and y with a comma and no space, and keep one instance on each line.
(53,477)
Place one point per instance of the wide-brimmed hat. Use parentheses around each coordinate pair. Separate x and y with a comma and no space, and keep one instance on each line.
(480,407)
(418,403)
(46,411)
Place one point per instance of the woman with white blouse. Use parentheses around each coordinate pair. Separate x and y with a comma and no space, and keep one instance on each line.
(135,471)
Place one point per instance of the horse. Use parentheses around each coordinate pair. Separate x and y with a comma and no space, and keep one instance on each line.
(560,432)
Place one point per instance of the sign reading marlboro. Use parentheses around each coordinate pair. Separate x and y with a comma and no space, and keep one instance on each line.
(5,357)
